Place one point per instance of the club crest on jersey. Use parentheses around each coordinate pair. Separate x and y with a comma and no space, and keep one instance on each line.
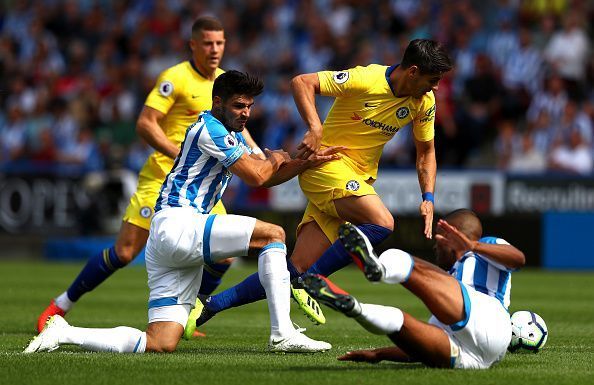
(166,88)
(352,185)
(402,112)
(146,212)
(230,141)
(340,77)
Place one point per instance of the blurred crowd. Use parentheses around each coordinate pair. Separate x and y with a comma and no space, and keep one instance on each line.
(74,74)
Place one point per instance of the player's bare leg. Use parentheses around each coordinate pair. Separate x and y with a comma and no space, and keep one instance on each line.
(311,243)
(416,340)
(131,239)
(163,337)
(440,292)
(364,209)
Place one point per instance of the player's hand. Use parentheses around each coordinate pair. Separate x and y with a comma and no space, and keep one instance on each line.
(285,155)
(277,156)
(310,144)
(361,356)
(325,155)
(453,238)
(426,210)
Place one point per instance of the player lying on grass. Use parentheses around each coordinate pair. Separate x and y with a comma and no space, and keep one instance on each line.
(470,326)
(371,104)
(184,235)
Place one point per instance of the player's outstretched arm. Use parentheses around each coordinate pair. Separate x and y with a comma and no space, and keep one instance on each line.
(148,128)
(296,166)
(426,171)
(304,88)
(256,150)
(390,353)
(255,172)
(504,254)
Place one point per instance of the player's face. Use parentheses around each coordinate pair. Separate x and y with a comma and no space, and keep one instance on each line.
(207,49)
(421,83)
(235,112)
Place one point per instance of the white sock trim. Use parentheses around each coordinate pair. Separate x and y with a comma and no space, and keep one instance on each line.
(64,302)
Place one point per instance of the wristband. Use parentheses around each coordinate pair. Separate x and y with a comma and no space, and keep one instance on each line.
(428,196)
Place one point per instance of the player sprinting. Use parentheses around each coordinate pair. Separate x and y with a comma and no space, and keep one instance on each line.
(470,326)
(180,93)
(185,235)
(371,105)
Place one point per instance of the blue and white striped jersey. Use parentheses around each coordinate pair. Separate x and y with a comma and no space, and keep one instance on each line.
(199,175)
(484,274)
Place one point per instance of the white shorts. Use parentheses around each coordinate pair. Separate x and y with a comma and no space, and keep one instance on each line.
(180,242)
(483,336)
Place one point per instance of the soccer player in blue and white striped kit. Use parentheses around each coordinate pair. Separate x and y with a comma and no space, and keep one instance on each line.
(470,326)
(184,235)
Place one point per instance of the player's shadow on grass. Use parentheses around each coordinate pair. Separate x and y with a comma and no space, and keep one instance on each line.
(355,366)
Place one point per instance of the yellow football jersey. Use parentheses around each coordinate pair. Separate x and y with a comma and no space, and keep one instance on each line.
(366,114)
(180,93)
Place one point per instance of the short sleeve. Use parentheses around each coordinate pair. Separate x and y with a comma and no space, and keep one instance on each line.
(424,121)
(165,92)
(494,241)
(342,83)
(219,143)
(243,143)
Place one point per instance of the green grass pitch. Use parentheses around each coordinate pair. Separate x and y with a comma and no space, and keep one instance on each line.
(234,351)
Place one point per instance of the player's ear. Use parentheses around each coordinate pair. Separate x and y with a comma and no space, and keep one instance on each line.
(217,101)
(192,44)
(413,70)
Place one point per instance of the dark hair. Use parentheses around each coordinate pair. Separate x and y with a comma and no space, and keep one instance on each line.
(467,222)
(430,56)
(206,23)
(236,83)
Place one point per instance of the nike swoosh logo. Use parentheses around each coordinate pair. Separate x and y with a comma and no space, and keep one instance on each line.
(195,96)
(371,105)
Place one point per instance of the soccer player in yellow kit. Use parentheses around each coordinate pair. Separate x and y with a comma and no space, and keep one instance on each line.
(180,94)
(371,105)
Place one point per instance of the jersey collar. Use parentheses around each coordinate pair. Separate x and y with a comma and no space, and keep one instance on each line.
(196,68)
(389,71)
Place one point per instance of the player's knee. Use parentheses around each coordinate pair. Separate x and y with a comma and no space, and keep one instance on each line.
(158,344)
(276,234)
(163,348)
(386,220)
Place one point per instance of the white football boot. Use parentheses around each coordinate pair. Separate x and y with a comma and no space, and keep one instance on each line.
(297,343)
(48,339)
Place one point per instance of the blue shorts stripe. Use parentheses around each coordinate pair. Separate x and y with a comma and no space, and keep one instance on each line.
(206,244)
(459,325)
(274,245)
(166,301)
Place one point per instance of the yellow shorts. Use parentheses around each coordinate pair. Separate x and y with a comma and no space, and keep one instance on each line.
(323,185)
(141,208)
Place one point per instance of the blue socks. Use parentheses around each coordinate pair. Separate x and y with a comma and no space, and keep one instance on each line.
(212,276)
(247,291)
(336,257)
(333,259)
(97,270)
